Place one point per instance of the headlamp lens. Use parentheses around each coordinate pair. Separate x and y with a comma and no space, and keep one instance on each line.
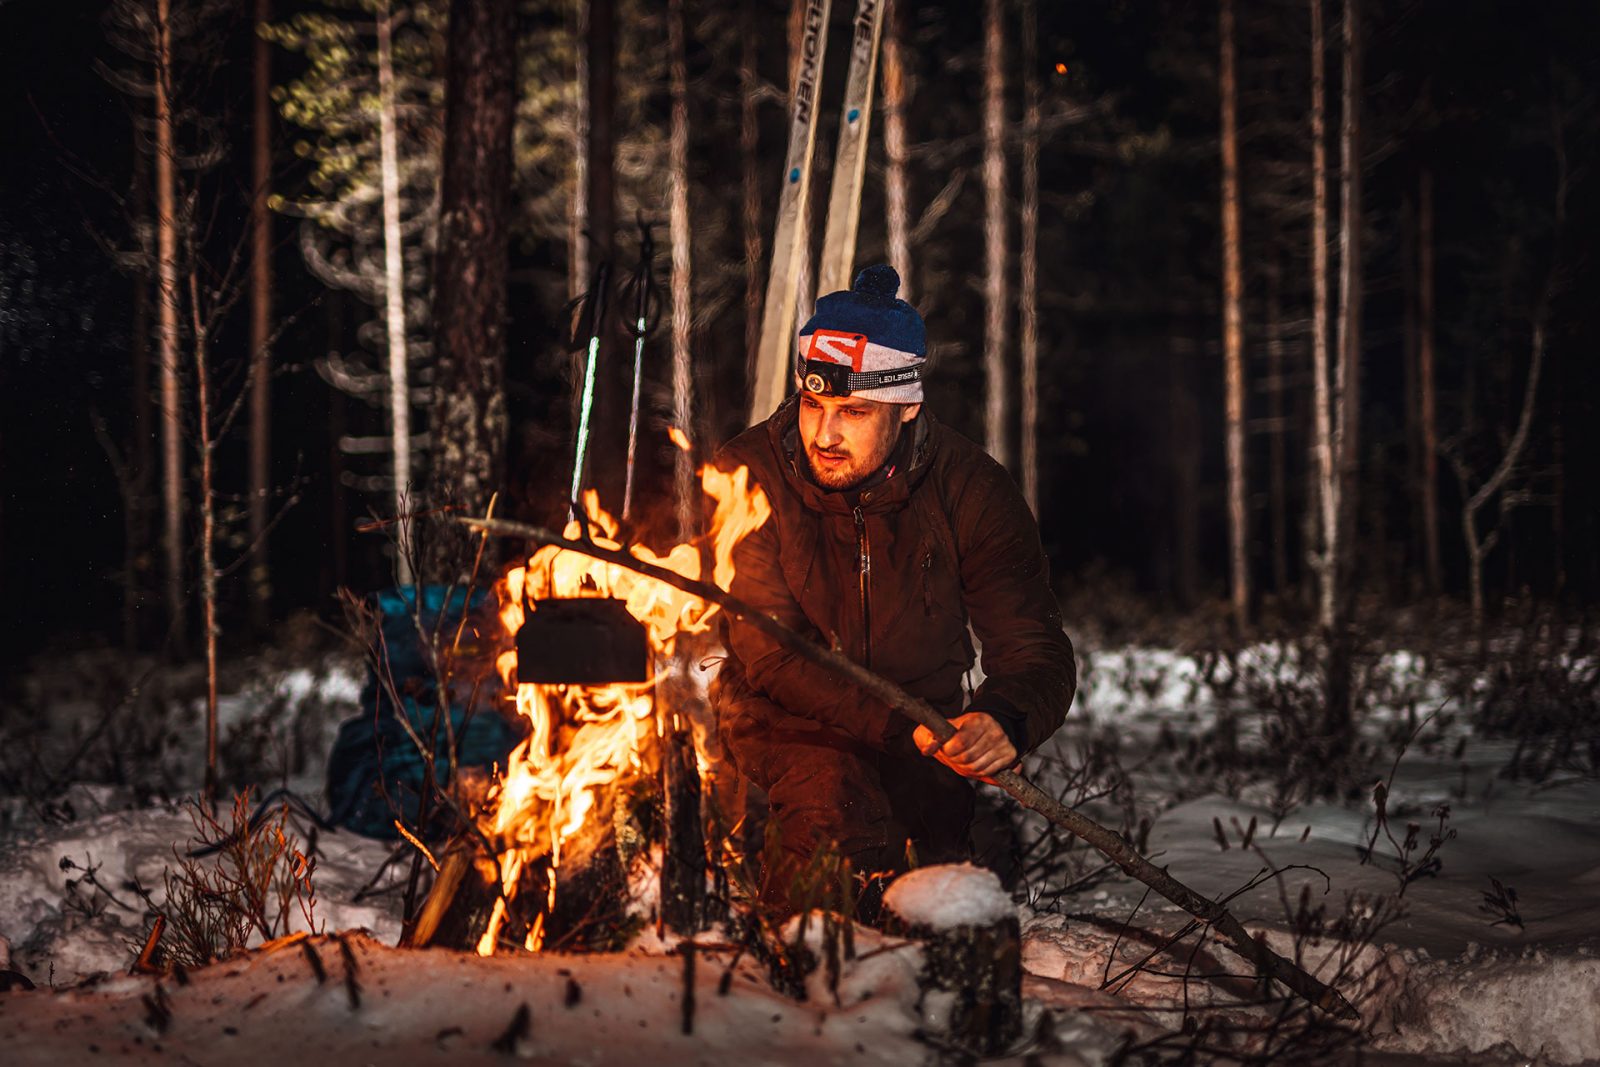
(826,379)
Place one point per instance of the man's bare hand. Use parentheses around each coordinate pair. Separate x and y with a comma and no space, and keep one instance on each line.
(978,750)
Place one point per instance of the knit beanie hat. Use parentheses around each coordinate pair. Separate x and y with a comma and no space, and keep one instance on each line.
(864,341)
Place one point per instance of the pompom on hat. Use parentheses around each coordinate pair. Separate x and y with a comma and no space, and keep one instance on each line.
(864,341)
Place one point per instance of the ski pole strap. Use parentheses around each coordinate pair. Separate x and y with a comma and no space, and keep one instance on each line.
(837,379)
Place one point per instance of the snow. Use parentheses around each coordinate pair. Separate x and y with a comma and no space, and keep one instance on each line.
(438,1006)
(950,895)
(62,930)
(1438,983)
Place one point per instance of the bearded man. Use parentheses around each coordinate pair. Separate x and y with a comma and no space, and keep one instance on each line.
(894,540)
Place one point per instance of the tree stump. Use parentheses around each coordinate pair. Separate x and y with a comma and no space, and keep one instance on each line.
(972,960)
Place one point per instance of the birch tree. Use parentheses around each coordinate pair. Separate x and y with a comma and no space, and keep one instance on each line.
(369,104)
(996,398)
(684,488)
(1326,553)
(394,283)
(1509,483)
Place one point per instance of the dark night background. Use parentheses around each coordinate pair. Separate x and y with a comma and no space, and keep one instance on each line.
(1132,401)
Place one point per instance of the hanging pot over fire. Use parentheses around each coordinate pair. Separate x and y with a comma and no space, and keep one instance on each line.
(586,640)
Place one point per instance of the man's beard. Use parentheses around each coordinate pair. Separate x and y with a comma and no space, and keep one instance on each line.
(851,471)
(842,475)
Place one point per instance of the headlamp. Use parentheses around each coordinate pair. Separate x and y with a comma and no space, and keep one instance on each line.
(826,378)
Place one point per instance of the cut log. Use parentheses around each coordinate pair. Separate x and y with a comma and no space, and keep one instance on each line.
(971,975)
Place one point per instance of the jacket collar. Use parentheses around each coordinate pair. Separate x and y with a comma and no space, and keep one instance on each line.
(783,432)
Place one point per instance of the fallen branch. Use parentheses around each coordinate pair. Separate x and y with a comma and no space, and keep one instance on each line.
(1113,845)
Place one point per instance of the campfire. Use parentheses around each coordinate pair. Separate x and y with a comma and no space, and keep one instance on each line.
(552,815)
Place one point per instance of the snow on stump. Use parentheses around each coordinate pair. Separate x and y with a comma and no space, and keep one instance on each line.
(972,964)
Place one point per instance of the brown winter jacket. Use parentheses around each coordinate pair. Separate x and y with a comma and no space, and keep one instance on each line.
(893,583)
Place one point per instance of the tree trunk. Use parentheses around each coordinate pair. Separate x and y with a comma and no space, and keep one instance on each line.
(600,148)
(685,494)
(394,292)
(606,459)
(1184,419)
(1412,554)
(469,411)
(1479,546)
(1233,330)
(1325,552)
(338,501)
(995,438)
(1347,373)
(978,969)
(896,94)
(750,184)
(578,266)
(136,556)
(260,323)
(1346,386)
(1028,283)
(1498,482)
(1279,420)
(683,865)
(208,524)
(167,277)
(1427,390)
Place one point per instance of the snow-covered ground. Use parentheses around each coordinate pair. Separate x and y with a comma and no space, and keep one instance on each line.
(1440,981)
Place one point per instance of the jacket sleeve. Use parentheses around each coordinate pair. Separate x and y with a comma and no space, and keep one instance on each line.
(797,685)
(1030,673)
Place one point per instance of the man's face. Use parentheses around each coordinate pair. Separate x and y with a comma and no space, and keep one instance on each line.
(847,438)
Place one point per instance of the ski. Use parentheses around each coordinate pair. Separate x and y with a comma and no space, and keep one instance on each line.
(773,367)
(850,158)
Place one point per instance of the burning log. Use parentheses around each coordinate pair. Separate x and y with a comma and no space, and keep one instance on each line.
(1111,844)
(459,907)
(683,843)
(972,957)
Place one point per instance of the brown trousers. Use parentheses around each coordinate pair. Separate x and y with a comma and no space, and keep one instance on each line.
(824,788)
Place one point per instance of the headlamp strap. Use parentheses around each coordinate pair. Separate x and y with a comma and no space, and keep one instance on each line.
(836,379)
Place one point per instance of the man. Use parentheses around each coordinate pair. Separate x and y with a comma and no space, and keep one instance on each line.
(889,535)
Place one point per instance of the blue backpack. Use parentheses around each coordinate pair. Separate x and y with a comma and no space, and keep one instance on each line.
(376,773)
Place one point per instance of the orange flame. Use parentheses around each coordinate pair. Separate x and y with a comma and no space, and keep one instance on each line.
(585,738)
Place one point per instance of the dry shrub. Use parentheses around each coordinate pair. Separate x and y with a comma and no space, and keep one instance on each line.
(1050,864)
(258,887)
(1243,1019)
(1542,690)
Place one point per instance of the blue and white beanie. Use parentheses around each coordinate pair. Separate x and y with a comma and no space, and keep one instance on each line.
(869,329)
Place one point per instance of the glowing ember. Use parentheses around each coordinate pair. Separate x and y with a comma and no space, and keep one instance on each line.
(585,739)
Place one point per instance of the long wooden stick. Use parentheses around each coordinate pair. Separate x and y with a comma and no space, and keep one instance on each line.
(1113,845)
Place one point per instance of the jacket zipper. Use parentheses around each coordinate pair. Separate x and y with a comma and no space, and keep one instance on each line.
(927,591)
(865,548)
